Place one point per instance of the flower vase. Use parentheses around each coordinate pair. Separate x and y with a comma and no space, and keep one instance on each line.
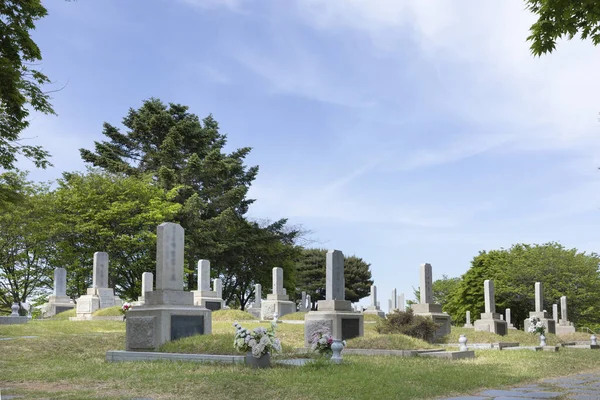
(336,347)
(264,361)
(15,310)
(542,340)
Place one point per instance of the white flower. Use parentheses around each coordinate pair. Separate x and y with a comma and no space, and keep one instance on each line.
(252,343)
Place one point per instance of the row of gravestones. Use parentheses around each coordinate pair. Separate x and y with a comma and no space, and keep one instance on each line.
(101,296)
(496,323)
(170,313)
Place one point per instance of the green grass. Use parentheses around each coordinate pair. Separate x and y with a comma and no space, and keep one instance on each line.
(521,337)
(67,361)
(65,315)
(232,315)
(388,342)
(297,316)
(108,312)
(372,317)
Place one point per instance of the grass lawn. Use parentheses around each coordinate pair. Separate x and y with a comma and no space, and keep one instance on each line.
(67,361)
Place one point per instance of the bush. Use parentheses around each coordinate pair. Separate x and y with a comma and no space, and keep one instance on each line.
(407,323)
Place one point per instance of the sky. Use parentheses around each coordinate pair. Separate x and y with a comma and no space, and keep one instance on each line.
(399,131)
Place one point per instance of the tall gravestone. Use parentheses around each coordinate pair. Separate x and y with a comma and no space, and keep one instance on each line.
(99,295)
(58,301)
(373,308)
(508,319)
(303,306)
(334,314)
(401,302)
(564,325)
(426,307)
(147,286)
(490,320)
(205,297)
(468,323)
(539,312)
(169,312)
(555,313)
(256,306)
(277,302)
(394,301)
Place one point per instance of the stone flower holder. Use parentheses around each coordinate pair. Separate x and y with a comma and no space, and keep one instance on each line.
(542,340)
(462,340)
(263,361)
(336,347)
(594,340)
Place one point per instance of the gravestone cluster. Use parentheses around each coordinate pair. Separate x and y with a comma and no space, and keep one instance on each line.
(211,299)
(539,312)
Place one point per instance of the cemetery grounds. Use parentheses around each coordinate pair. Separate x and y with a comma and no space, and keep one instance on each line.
(61,359)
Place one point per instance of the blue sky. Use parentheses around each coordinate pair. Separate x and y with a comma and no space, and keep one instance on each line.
(400,131)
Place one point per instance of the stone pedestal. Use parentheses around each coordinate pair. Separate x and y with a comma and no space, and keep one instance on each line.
(335,316)
(549,323)
(169,312)
(208,299)
(166,315)
(96,299)
(374,310)
(434,311)
(57,304)
(279,304)
(491,322)
(564,328)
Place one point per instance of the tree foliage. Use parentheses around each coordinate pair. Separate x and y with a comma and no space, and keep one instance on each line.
(24,238)
(563,272)
(99,211)
(562,18)
(186,155)
(20,82)
(311,270)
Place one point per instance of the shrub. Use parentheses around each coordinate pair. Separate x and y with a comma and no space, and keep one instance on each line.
(407,323)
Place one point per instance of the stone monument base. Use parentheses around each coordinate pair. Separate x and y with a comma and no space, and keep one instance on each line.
(95,299)
(254,311)
(564,329)
(13,320)
(335,316)
(491,322)
(374,310)
(550,324)
(57,304)
(149,326)
(208,299)
(279,304)
(468,326)
(434,311)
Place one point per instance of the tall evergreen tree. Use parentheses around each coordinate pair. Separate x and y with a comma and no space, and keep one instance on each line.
(183,153)
(311,271)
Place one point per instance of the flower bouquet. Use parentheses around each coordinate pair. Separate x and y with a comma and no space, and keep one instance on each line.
(321,342)
(536,326)
(259,341)
(126,307)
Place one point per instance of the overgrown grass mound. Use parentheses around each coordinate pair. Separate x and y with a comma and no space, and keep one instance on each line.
(372,317)
(388,342)
(109,312)
(65,314)
(514,335)
(297,316)
(232,315)
(407,323)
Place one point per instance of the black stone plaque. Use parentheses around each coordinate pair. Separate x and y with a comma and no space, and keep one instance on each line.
(501,329)
(61,309)
(213,305)
(186,325)
(350,328)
